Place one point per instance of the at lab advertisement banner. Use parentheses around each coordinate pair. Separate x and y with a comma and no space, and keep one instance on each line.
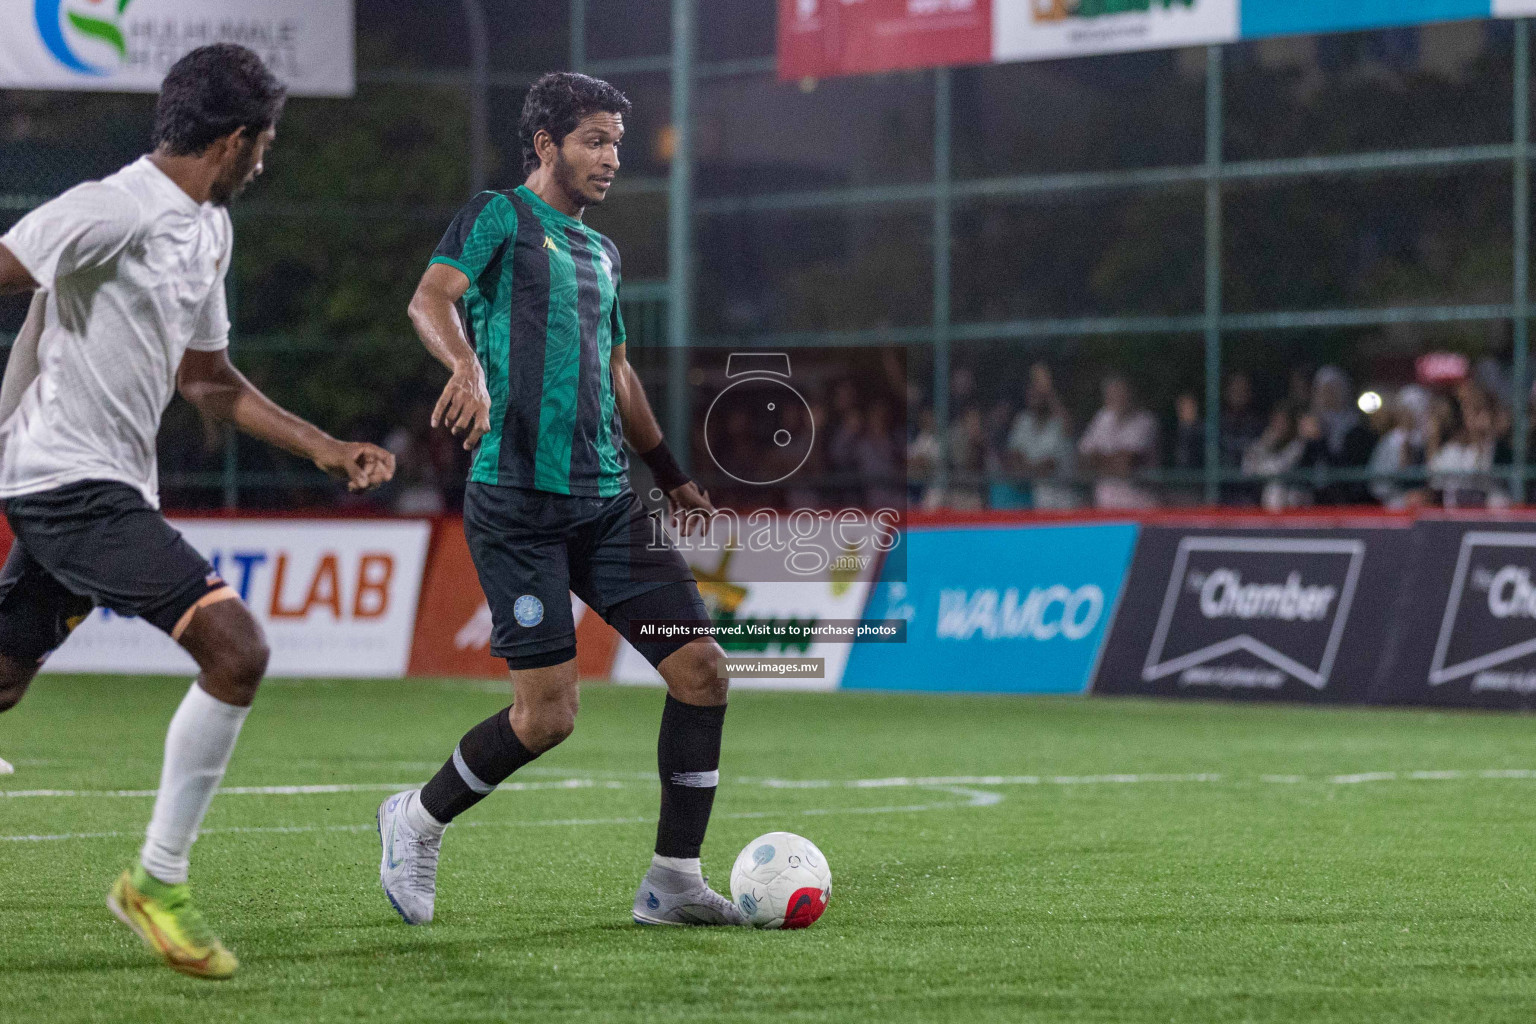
(337,598)
(128,45)
(1300,614)
(997,609)
(823,38)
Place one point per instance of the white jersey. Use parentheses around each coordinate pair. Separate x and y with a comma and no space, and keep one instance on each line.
(134,272)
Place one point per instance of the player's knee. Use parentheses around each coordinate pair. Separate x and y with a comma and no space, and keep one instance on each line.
(11,694)
(241,666)
(543,726)
(699,677)
(15,677)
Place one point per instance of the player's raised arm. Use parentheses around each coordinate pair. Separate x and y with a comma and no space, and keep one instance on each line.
(644,435)
(210,381)
(465,405)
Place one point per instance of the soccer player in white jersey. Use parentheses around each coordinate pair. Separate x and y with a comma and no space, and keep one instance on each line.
(133,268)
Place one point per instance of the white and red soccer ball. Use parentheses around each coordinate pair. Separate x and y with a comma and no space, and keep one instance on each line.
(781,880)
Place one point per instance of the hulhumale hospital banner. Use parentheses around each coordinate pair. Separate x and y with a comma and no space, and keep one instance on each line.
(128,45)
(823,38)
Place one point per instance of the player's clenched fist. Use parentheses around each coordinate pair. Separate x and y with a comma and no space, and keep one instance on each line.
(363,466)
(465,406)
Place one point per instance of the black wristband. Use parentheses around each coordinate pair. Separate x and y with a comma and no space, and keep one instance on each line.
(669,475)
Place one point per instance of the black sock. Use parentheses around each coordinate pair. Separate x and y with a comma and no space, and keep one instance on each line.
(688,757)
(484,758)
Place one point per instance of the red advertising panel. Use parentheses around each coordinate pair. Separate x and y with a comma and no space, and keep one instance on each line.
(822,38)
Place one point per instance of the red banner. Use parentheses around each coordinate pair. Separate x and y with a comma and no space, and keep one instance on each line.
(821,38)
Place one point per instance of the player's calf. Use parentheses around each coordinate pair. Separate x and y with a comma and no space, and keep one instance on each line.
(411,824)
(674,890)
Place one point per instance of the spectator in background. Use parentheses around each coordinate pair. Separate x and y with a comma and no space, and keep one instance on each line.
(1004,488)
(1188,454)
(923,454)
(1188,433)
(1040,447)
(967,459)
(1463,439)
(1276,452)
(1241,425)
(1338,437)
(1121,441)
(843,449)
(417,489)
(1399,447)
(879,460)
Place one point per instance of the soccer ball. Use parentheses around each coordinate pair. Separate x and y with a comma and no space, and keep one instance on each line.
(781,881)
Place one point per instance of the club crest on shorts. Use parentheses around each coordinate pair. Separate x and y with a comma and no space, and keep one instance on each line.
(528,610)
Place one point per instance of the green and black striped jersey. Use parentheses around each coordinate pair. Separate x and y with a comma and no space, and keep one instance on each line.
(542,313)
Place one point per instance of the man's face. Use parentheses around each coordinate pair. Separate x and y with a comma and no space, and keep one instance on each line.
(242,165)
(588,160)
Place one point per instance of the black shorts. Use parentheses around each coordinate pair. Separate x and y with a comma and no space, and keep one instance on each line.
(88,544)
(533,549)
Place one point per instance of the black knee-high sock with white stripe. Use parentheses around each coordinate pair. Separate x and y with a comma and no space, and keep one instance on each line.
(484,758)
(688,758)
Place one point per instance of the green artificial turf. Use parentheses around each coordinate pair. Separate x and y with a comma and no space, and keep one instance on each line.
(1272,892)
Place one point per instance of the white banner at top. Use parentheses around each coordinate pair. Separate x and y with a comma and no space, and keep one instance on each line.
(1513,8)
(1041,29)
(128,45)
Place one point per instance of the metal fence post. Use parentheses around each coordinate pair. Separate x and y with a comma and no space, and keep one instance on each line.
(578,34)
(1522,242)
(680,230)
(942,233)
(1214,113)
(479,99)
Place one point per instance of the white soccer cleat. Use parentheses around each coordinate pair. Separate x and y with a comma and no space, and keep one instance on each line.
(6,768)
(674,898)
(408,867)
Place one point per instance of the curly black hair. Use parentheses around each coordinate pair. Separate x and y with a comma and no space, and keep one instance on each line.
(212,91)
(557,103)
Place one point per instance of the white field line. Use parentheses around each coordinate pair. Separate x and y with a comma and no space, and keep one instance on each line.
(893,782)
(366,787)
(971,798)
(958,785)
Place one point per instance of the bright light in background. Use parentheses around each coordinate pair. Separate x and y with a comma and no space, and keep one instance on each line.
(1370,403)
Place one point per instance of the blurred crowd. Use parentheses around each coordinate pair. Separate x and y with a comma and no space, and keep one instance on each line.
(1323,443)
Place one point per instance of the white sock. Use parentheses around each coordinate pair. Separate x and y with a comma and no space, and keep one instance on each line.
(197,748)
(682,865)
(419,818)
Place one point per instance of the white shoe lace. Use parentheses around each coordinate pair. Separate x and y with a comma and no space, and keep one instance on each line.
(421,859)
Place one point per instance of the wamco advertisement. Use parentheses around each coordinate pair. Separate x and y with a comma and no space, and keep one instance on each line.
(997,609)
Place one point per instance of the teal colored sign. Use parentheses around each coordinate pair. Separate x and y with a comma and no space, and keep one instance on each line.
(1297,17)
(1000,610)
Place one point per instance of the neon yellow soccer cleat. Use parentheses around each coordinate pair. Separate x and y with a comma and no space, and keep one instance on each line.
(164,917)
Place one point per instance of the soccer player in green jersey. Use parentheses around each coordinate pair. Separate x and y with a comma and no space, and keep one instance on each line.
(520,302)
